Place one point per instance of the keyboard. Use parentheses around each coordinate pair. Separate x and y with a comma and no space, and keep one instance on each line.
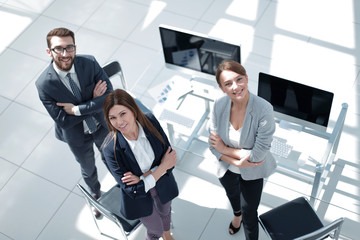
(168,115)
(280,147)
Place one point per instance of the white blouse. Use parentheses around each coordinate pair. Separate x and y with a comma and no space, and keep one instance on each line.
(234,137)
(144,155)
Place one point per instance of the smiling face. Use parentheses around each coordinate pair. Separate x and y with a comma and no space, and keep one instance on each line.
(123,120)
(65,59)
(234,85)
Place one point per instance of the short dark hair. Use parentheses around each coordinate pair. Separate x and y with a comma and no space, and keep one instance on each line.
(59,32)
(230,65)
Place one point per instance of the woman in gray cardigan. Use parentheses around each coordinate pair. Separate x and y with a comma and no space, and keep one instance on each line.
(241,129)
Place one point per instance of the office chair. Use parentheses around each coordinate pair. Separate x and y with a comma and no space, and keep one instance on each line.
(114,68)
(297,220)
(109,206)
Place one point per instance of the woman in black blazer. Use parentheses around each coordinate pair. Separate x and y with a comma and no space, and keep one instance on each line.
(140,158)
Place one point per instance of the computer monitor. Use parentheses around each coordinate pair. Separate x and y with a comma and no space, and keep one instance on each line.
(194,53)
(295,102)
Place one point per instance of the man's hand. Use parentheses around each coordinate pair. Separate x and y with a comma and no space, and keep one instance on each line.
(67,107)
(100,88)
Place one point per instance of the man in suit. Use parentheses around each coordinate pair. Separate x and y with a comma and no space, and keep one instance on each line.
(72,89)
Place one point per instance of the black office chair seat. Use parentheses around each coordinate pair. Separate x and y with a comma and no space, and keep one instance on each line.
(110,200)
(297,220)
(109,206)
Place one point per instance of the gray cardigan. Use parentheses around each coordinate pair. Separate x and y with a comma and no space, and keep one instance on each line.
(256,135)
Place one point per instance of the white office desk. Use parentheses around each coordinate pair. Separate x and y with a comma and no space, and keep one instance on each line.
(304,145)
(321,147)
(185,102)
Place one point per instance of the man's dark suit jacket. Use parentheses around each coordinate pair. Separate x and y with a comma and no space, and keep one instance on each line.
(69,128)
(134,201)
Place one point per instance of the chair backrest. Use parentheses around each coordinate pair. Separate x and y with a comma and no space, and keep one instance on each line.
(105,205)
(333,227)
(297,220)
(114,68)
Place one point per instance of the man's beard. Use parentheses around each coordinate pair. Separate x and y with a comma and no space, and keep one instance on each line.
(62,65)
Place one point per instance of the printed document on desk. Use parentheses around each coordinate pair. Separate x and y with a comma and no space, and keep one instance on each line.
(171,106)
(170,90)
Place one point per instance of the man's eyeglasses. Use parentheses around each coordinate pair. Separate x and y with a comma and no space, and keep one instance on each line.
(60,50)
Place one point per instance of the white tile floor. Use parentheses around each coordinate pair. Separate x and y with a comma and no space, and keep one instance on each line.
(313,42)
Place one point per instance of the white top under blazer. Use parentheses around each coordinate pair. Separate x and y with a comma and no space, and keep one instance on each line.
(256,135)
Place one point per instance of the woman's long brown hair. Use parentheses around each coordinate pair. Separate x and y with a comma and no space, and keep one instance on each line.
(121,97)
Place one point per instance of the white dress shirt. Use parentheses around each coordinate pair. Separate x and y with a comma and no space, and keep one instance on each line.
(144,155)
(65,81)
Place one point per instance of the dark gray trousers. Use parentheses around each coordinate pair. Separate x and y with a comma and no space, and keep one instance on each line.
(85,156)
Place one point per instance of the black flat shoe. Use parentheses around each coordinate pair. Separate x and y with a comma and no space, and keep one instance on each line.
(97,214)
(234,229)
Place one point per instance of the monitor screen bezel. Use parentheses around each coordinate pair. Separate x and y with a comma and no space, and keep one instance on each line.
(293,119)
(194,73)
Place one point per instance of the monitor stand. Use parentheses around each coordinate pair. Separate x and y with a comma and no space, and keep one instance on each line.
(205,81)
(290,126)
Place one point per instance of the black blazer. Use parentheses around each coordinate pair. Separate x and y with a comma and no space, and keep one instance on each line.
(69,128)
(135,202)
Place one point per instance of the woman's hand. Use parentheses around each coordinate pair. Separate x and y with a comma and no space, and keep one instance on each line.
(130,179)
(169,159)
(244,162)
(216,142)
